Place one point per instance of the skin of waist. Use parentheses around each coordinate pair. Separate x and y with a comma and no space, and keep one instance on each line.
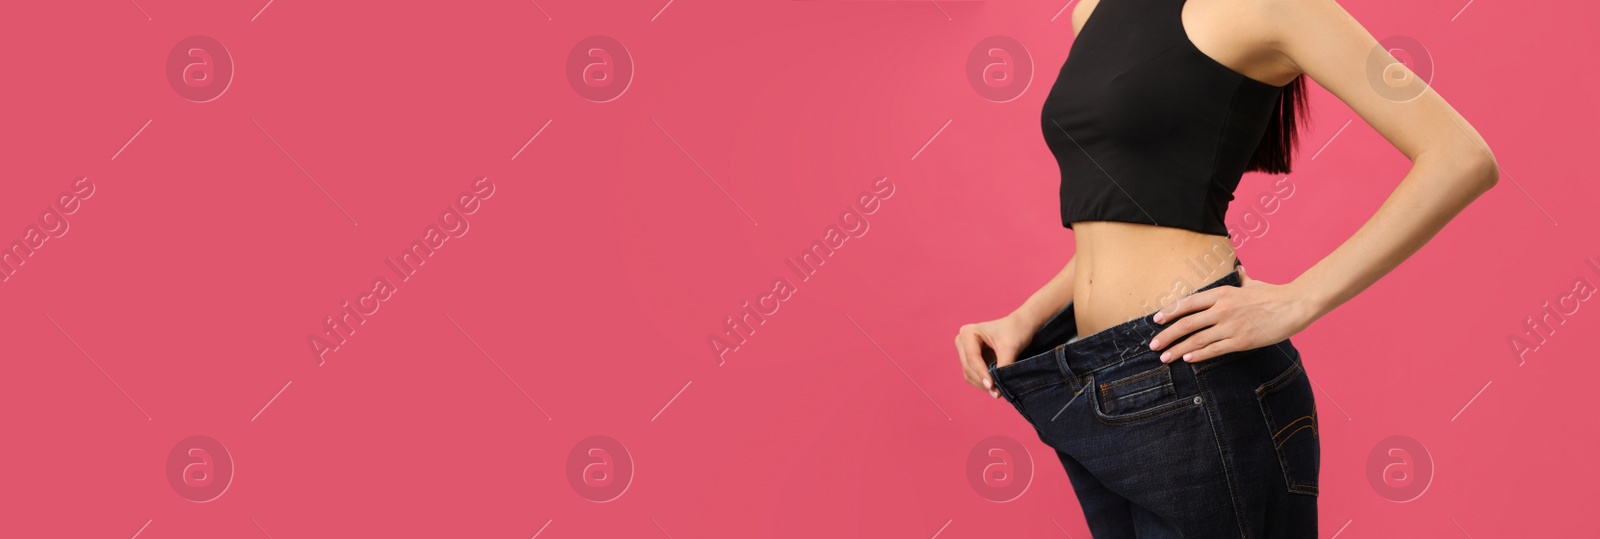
(1128,270)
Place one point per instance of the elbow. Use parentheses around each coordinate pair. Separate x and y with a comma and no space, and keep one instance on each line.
(1472,168)
(1486,171)
(1476,167)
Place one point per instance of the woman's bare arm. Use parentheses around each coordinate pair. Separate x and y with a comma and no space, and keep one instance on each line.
(1049,299)
(1451,167)
(1451,163)
(1006,336)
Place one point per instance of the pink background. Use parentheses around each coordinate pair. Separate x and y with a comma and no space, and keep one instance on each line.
(621,234)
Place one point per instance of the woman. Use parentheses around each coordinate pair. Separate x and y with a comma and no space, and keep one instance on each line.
(1163,375)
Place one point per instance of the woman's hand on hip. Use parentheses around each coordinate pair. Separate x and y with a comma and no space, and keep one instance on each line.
(998,341)
(1230,319)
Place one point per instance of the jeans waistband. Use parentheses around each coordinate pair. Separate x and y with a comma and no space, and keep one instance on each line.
(1073,360)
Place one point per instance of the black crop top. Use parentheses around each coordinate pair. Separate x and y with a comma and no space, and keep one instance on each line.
(1145,126)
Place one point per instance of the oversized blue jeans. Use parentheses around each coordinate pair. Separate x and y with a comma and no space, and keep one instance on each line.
(1226,447)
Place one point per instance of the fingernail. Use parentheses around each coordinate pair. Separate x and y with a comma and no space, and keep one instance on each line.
(1157,318)
(1155,343)
(995,394)
(1187,356)
(988,385)
(1166,356)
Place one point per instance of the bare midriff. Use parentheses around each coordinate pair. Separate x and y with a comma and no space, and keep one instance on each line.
(1128,270)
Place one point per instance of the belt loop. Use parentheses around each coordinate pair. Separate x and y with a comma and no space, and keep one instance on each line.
(1066,367)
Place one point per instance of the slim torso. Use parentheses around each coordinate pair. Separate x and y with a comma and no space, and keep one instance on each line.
(1127,270)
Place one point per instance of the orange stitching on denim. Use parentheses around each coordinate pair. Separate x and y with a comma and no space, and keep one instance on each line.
(1275,383)
(1291,435)
(1144,415)
(1153,372)
(1291,424)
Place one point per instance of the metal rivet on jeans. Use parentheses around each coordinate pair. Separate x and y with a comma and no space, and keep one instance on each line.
(1197,399)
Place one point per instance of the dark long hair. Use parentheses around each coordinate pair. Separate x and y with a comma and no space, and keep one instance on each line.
(1277,146)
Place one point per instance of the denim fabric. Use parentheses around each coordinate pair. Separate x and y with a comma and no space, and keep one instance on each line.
(1227,447)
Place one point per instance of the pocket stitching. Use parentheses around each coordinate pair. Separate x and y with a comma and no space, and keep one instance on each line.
(1140,376)
(1273,386)
(1147,390)
(1144,415)
(1162,373)
(1140,416)
(1312,426)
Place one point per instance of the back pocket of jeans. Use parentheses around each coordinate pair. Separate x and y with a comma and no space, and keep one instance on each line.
(1137,392)
(1290,410)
